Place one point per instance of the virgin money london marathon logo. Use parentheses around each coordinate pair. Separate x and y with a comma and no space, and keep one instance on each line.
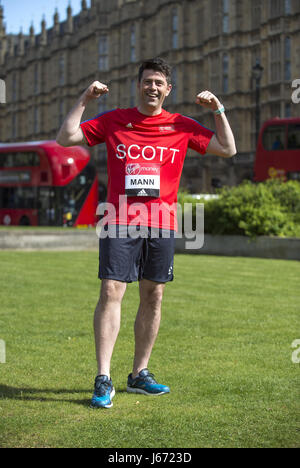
(133,169)
(2,92)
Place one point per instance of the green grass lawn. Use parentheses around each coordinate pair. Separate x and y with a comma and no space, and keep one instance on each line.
(224,348)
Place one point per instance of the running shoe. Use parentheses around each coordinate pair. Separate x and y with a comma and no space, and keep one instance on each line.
(103,393)
(146,384)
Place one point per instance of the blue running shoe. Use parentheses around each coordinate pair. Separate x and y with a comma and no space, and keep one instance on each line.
(146,384)
(104,392)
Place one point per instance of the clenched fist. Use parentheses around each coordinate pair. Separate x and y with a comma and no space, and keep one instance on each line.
(95,90)
(208,100)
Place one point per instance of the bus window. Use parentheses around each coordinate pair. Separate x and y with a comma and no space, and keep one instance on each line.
(49,206)
(294,136)
(19,159)
(274,137)
(18,198)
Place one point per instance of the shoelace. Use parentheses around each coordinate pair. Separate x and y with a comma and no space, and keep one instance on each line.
(101,388)
(149,378)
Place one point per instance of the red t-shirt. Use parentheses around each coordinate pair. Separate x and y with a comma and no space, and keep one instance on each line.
(145,156)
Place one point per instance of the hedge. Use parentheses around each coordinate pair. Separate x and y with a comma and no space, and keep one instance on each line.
(270,208)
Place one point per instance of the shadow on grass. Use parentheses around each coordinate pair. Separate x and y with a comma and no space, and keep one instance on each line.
(38,394)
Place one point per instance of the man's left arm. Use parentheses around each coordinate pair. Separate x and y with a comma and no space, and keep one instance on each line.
(222,143)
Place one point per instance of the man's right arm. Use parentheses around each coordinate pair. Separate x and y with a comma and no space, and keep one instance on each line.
(70,133)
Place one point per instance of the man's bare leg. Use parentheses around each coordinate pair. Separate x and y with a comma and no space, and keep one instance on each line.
(107,320)
(147,323)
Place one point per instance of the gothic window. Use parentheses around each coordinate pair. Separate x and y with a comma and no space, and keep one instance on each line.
(225,8)
(225,67)
(174,29)
(275,59)
(132,44)
(103,53)
(287,59)
(61,70)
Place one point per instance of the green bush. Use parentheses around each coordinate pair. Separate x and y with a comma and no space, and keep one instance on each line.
(270,208)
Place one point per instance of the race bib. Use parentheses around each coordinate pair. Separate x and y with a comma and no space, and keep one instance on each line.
(142,180)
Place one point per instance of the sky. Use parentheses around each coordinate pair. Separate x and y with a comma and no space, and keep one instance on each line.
(22,13)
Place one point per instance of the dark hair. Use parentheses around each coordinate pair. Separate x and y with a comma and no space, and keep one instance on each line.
(157,64)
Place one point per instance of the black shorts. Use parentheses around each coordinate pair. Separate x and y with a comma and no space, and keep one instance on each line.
(147,255)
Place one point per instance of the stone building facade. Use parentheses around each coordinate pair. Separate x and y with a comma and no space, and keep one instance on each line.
(210,44)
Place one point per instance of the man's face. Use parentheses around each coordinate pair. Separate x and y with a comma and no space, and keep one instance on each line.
(153,89)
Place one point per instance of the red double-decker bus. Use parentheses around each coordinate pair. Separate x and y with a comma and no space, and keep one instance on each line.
(45,184)
(278,150)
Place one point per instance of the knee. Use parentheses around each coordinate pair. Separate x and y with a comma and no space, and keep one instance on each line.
(153,296)
(112,291)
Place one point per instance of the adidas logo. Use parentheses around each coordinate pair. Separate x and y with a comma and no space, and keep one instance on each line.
(141,193)
(129,125)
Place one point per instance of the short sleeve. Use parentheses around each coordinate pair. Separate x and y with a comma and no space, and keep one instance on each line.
(200,136)
(95,129)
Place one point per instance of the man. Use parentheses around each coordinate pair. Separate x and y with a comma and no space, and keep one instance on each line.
(151,142)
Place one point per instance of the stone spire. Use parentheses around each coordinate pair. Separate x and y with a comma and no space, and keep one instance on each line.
(43,32)
(2,26)
(69,19)
(56,21)
(3,38)
(21,43)
(11,46)
(31,35)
